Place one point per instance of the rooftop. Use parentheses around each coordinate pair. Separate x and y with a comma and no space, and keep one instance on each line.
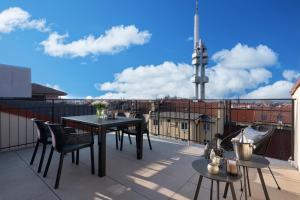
(163,173)
(44,90)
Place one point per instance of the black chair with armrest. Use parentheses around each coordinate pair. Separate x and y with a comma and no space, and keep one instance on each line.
(134,132)
(64,144)
(261,146)
(44,138)
(119,129)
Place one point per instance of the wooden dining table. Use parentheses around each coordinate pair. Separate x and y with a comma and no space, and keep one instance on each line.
(102,125)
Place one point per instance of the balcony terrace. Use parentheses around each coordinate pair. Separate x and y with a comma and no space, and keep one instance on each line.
(163,173)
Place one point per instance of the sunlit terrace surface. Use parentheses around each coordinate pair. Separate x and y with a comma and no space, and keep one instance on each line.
(163,173)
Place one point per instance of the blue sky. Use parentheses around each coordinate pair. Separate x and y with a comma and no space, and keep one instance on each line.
(166,26)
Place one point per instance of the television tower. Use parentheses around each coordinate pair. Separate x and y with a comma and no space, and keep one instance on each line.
(199,59)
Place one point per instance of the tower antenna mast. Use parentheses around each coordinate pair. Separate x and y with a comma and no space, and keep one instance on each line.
(199,59)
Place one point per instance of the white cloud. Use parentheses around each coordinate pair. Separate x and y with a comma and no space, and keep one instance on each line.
(242,56)
(227,83)
(112,41)
(150,81)
(279,89)
(171,79)
(16,18)
(291,75)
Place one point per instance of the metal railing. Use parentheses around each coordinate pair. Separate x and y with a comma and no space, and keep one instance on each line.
(183,119)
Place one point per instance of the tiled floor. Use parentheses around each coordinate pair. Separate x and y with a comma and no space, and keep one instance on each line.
(163,173)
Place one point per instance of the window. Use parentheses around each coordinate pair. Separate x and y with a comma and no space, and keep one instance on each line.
(155,122)
(184,125)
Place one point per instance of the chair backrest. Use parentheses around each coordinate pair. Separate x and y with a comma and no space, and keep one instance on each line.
(121,114)
(57,134)
(43,131)
(144,121)
(263,144)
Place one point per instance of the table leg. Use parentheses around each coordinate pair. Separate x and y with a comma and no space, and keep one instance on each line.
(232,191)
(263,184)
(245,182)
(226,190)
(198,187)
(218,190)
(211,189)
(139,141)
(248,182)
(101,152)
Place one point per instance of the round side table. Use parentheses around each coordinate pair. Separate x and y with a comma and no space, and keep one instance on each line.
(257,162)
(200,166)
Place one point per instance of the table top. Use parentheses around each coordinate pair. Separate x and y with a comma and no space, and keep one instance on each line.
(200,166)
(95,121)
(256,161)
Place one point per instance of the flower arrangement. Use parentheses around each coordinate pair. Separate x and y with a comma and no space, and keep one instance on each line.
(100,106)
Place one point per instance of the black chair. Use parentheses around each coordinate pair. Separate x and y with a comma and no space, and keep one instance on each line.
(118,130)
(261,145)
(43,137)
(133,131)
(64,144)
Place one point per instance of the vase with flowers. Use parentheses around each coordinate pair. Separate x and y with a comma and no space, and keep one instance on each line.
(101,107)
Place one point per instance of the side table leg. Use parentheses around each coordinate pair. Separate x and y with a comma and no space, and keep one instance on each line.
(218,190)
(232,191)
(211,189)
(198,187)
(263,184)
(226,190)
(248,182)
(245,182)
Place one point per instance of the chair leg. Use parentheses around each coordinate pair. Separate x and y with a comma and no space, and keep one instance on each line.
(119,135)
(274,178)
(42,158)
(48,162)
(92,159)
(34,152)
(121,146)
(73,157)
(117,140)
(129,139)
(148,136)
(61,160)
(77,157)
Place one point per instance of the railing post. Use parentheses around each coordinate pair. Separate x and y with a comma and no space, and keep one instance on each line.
(158,120)
(189,127)
(52,111)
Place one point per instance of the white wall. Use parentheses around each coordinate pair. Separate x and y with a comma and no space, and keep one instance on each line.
(15,81)
(297,128)
(16,130)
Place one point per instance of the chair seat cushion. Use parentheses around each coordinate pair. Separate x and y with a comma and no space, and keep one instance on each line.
(129,131)
(72,147)
(78,138)
(113,129)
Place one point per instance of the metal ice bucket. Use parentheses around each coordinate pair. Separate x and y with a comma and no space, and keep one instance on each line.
(243,151)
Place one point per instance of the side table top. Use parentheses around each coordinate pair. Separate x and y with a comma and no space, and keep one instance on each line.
(256,161)
(200,165)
